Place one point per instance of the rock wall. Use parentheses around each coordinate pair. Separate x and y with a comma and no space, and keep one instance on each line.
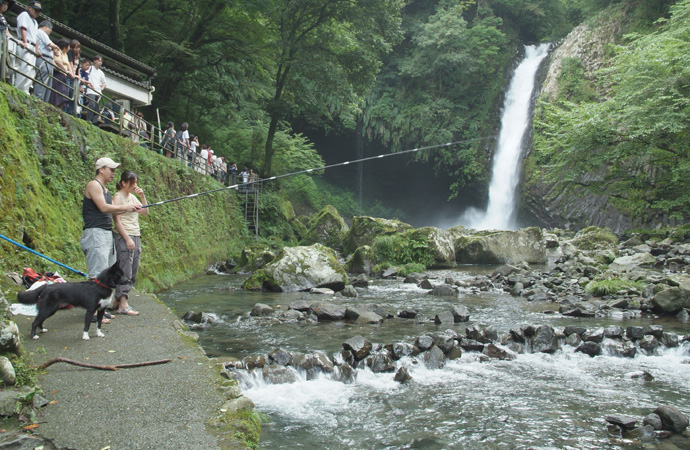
(552,204)
(46,159)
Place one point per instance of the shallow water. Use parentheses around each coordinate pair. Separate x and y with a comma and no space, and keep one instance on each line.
(537,401)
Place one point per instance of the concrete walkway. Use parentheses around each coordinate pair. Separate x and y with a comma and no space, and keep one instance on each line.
(164,406)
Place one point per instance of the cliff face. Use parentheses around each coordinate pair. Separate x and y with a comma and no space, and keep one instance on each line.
(46,159)
(552,204)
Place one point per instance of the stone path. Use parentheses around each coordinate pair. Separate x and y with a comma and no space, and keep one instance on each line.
(164,406)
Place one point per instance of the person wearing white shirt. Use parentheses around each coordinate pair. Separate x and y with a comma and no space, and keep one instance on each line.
(27,33)
(93,93)
(44,64)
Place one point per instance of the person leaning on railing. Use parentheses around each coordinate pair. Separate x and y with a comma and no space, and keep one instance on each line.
(44,64)
(93,93)
(27,31)
(60,97)
(168,142)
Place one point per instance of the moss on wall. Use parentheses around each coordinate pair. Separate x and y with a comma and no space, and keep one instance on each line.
(46,159)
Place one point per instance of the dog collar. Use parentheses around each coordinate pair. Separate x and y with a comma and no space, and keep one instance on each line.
(95,280)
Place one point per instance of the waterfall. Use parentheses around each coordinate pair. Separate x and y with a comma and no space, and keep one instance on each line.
(505,172)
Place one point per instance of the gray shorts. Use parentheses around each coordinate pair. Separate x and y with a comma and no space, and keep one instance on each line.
(97,245)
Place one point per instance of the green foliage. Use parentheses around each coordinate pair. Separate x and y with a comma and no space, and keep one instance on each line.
(25,372)
(244,426)
(411,268)
(273,217)
(632,146)
(402,249)
(440,86)
(572,82)
(599,288)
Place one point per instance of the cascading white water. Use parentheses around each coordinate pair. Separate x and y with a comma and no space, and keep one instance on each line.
(500,212)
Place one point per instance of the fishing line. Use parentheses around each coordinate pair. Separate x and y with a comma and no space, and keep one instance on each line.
(330,166)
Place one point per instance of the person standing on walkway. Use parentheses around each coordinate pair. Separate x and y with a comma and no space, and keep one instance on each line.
(98,210)
(128,238)
(44,64)
(27,33)
(93,93)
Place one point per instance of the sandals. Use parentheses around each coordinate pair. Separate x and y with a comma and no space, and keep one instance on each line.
(128,311)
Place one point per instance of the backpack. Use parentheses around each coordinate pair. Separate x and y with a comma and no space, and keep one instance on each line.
(29,277)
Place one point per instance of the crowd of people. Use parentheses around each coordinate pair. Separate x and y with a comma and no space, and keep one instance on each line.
(60,69)
(182,145)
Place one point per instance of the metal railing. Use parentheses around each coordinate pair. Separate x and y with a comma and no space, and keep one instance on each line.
(108,113)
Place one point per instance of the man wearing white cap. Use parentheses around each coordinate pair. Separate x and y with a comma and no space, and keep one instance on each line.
(97,211)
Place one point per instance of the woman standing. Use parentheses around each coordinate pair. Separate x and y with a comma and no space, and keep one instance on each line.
(60,99)
(128,238)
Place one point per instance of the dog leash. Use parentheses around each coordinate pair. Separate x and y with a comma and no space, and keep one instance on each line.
(42,256)
(95,280)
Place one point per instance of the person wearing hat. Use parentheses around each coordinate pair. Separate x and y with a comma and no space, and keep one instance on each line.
(27,33)
(97,211)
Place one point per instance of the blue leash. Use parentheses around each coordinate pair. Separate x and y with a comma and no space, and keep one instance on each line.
(42,256)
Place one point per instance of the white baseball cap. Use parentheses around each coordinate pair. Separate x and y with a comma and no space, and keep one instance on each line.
(106,162)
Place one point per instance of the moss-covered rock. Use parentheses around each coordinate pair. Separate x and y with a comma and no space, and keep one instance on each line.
(299,269)
(501,247)
(594,243)
(327,228)
(254,258)
(365,229)
(440,246)
(362,261)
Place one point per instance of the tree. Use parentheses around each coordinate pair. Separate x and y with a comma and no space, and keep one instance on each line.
(324,51)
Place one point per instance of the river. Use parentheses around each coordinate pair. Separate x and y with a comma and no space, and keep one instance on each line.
(538,401)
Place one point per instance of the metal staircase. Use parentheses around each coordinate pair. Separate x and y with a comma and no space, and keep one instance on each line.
(251,207)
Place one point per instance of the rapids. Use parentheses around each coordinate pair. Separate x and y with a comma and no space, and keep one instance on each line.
(538,401)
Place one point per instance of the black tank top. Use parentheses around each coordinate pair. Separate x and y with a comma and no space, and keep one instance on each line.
(93,217)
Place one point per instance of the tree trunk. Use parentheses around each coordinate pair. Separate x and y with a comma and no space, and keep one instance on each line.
(116,39)
(269,150)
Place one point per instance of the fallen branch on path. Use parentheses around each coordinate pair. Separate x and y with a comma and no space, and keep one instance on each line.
(95,366)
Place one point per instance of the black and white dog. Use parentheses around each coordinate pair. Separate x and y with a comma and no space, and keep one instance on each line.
(94,295)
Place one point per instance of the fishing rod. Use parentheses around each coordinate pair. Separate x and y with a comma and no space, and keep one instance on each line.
(315,169)
(41,255)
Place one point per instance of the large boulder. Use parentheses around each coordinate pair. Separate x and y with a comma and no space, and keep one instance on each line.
(594,242)
(439,244)
(669,300)
(544,340)
(327,228)
(9,337)
(671,418)
(329,312)
(501,247)
(365,229)
(359,346)
(254,258)
(629,262)
(362,261)
(300,269)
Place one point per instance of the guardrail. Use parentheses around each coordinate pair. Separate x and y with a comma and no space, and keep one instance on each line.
(110,115)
